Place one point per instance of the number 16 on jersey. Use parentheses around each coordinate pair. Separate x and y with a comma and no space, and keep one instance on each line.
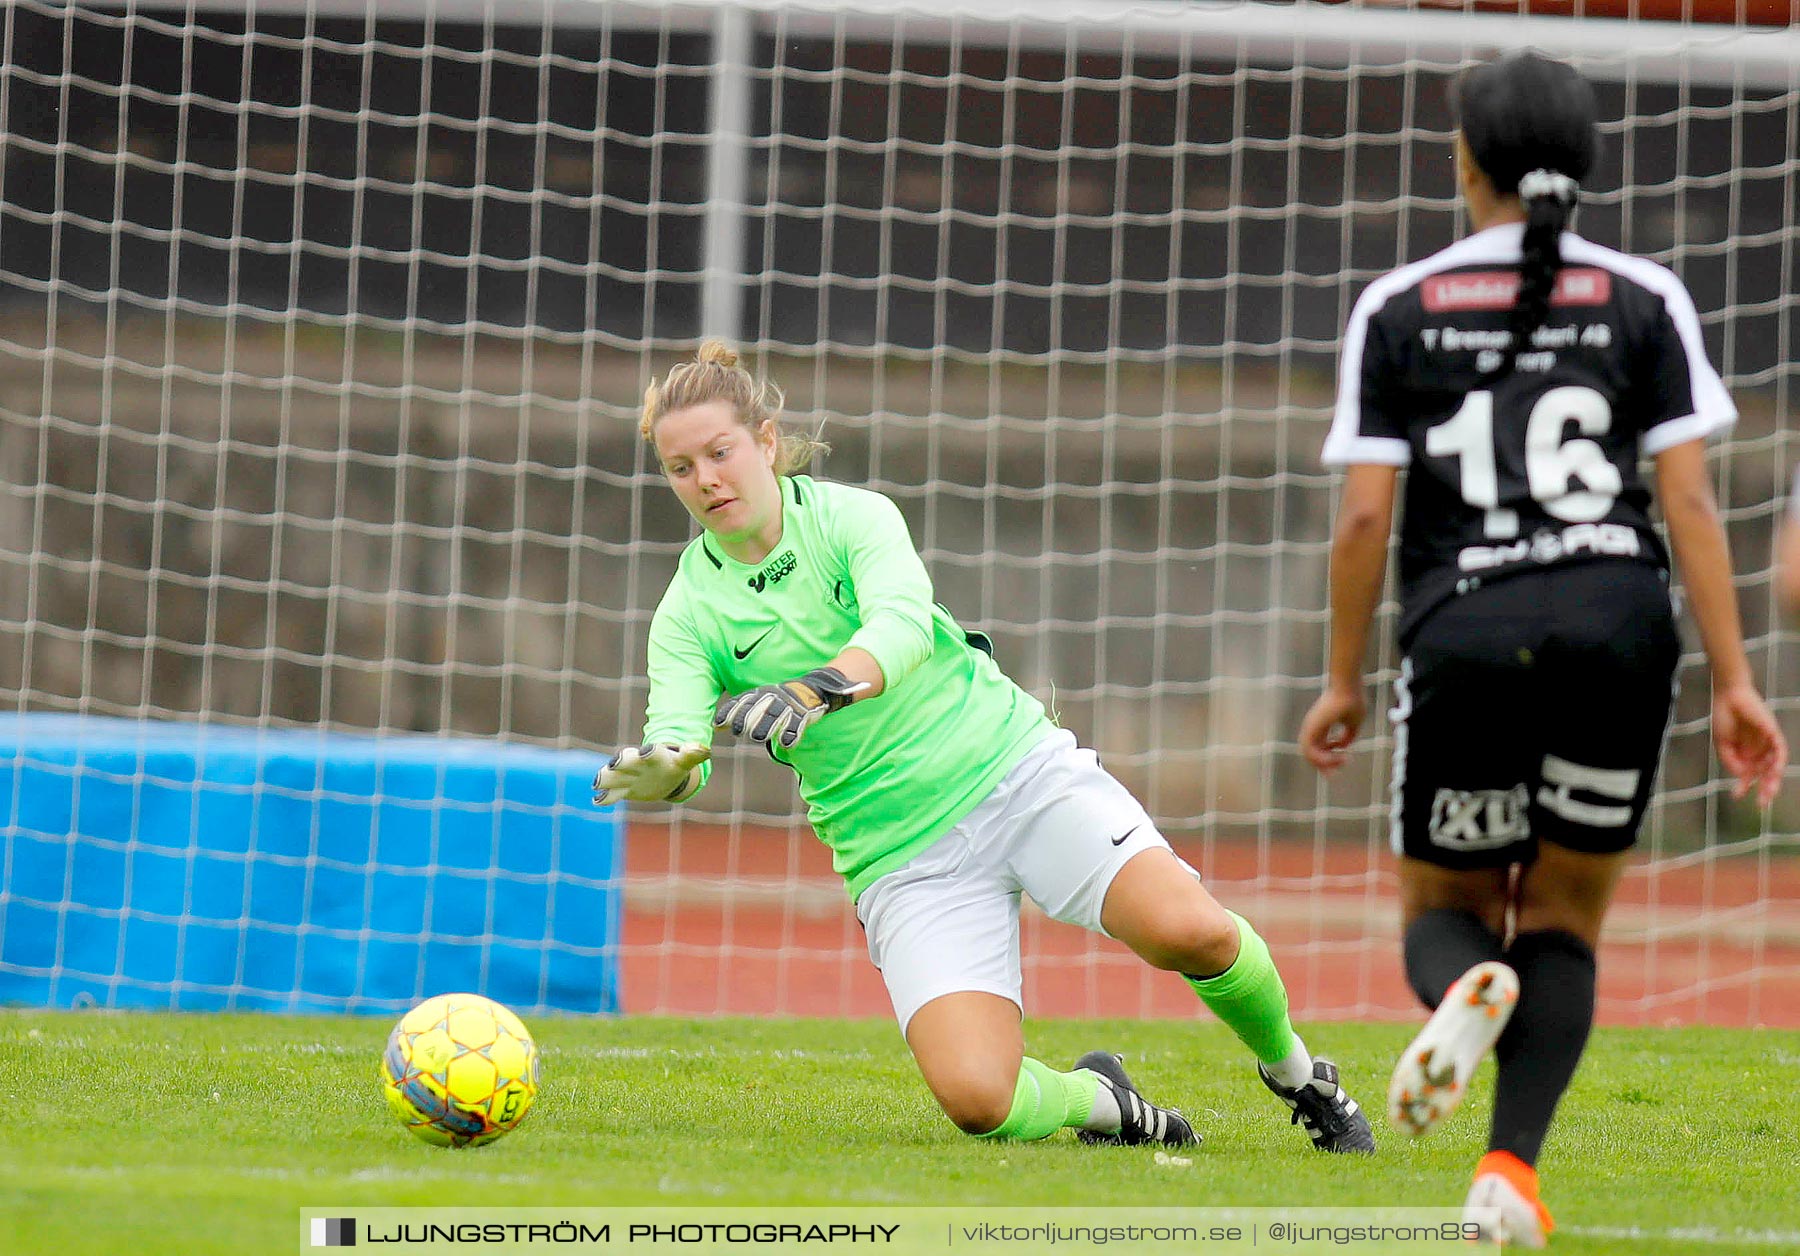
(1569,475)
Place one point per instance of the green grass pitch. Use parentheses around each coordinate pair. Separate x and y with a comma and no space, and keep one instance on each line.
(151,1133)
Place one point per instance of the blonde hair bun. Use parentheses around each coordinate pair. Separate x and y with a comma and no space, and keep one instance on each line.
(716,353)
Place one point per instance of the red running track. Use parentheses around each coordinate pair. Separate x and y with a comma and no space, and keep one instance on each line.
(756,923)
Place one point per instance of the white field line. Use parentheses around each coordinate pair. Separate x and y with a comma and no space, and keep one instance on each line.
(1704,1235)
(397,1173)
(1707,1236)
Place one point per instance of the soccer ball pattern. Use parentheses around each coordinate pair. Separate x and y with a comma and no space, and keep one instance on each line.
(460,1070)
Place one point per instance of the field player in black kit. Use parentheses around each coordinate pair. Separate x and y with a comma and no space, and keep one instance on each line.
(1521,374)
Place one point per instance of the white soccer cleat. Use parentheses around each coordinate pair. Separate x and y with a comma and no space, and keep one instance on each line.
(1434,1071)
(1507,1214)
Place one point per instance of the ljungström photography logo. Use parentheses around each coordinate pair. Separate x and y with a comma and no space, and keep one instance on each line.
(334,1232)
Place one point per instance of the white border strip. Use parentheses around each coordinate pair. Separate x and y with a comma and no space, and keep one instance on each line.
(1332,35)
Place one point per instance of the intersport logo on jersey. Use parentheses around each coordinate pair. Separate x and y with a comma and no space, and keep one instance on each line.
(775,572)
(1498,289)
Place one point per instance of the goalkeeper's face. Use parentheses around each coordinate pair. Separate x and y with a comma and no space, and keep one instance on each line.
(723,472)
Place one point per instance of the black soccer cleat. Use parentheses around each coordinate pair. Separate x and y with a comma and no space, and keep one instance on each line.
(1330,1115)
(1140,1121)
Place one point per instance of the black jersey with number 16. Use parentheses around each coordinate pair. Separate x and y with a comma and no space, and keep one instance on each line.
(1540,465)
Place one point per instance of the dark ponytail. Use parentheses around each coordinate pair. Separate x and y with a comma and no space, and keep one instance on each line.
(1531,125)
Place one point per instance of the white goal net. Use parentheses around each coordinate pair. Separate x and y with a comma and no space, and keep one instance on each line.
(323,325)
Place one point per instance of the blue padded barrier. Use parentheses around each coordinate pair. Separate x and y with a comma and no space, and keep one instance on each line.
(206,866)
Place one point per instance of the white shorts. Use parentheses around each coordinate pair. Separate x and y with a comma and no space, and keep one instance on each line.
(1056,827)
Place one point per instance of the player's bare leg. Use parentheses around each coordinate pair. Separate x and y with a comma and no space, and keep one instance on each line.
(969,1046)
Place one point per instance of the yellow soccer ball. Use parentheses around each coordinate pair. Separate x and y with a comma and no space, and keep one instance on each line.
(460,1070)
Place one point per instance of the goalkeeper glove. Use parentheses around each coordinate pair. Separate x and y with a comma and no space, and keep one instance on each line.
(781,713)
(661,773)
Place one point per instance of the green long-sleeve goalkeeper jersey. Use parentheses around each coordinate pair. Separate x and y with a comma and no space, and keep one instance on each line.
(882,778)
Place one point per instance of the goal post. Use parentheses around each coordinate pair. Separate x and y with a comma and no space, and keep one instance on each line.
(323,325)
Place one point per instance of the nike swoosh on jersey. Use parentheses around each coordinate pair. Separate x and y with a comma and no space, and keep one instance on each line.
(1120,839)
(743,652)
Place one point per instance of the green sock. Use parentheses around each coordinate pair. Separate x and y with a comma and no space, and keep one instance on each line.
(1044,1101)
(1250,998)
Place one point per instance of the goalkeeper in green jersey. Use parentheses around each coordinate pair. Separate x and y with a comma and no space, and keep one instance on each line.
(803,619)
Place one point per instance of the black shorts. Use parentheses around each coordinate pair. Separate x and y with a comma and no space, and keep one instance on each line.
(1534,709)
